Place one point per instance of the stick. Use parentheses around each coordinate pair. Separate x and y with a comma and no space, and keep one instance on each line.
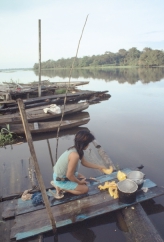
(36,165)
(39,37)
(70,75)
(49,148)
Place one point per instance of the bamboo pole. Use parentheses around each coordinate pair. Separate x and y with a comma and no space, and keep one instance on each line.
(36,165)
(49,148)
(70,75)
(39,37)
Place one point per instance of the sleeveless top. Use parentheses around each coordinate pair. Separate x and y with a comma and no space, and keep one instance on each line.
(60,168)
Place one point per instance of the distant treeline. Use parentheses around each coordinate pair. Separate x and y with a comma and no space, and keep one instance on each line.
(131,57)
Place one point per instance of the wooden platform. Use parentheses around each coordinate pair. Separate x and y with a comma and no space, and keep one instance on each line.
(72,209)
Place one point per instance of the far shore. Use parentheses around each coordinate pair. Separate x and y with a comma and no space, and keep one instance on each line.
(79,68)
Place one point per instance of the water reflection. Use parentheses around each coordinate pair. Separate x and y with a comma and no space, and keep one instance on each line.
(151,207)
(103,228)
(130,75)
(84,235)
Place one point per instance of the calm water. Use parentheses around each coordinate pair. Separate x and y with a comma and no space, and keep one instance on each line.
(129,126)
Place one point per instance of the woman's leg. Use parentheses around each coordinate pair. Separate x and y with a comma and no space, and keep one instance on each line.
(80,189)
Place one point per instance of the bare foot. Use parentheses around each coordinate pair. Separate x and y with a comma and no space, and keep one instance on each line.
(56,195)
(58,190)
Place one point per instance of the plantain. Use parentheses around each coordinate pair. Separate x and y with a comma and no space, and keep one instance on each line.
(111,191)
(115,195)
(108,171)
(112,188)
(121,176)
(103,187)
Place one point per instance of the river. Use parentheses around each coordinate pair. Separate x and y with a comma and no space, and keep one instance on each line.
(129,126)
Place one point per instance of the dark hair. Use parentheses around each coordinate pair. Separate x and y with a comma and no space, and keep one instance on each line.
(82,139)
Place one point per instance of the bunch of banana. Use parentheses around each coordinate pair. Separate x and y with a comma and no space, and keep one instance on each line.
(108,171)
(112,188)
(121,176)
(105,186)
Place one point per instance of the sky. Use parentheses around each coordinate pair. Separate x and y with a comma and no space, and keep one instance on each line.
(111,25)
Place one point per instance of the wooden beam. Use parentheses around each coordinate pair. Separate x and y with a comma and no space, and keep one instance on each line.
(37,169)
(103,154)
(39,35)
(139,225)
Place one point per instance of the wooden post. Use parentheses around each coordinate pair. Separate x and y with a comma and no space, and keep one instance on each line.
(49,148)
(39,32)
(32,174)
(36,165)
(132,220)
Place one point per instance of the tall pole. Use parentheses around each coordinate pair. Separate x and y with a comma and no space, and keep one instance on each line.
(49,148)
(39,32)
(36,165)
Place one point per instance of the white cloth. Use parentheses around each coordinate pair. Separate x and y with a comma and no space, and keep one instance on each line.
(26,196)
(54,108)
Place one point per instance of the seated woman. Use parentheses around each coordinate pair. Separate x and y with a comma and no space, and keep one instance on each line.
(66,176)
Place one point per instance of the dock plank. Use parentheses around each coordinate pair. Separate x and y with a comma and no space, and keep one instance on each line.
(14,177)
(27,206)
(23,207)
(37,222)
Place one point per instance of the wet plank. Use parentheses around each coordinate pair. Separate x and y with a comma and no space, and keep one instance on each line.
(14,177)
(22,207)
(5,226)
(27,206)
(72,212)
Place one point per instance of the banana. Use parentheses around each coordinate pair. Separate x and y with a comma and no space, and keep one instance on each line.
(111,191)
(121,176)
(115,193)
(112,188)
(108,171)
(103,187)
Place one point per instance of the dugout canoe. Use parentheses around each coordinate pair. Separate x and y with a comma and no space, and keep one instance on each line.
(41,127)
(37,114)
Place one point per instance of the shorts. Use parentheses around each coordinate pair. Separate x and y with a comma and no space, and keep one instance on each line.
(66,185)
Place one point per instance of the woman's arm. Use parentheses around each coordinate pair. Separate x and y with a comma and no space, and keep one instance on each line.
(85,163)
(72,163)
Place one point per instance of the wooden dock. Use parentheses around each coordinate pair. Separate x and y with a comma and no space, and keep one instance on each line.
(12,90)
(31,221)
(70,210)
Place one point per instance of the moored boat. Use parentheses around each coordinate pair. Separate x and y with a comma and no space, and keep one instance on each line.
(40,127)
(38,114)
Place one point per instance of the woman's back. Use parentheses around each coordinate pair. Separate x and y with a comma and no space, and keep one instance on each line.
(60,168)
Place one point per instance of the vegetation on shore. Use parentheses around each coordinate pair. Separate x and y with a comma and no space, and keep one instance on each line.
(7,137)
(123,58)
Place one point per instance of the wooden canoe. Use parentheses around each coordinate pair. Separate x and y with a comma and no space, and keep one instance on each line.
(40,127)
(37,114)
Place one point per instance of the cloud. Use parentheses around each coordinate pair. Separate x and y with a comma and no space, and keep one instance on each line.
(111,25)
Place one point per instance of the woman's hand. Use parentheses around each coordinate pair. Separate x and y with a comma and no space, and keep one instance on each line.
(83,182)
(100,168)
(80,175)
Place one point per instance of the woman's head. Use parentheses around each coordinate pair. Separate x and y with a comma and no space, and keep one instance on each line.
(82,140)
